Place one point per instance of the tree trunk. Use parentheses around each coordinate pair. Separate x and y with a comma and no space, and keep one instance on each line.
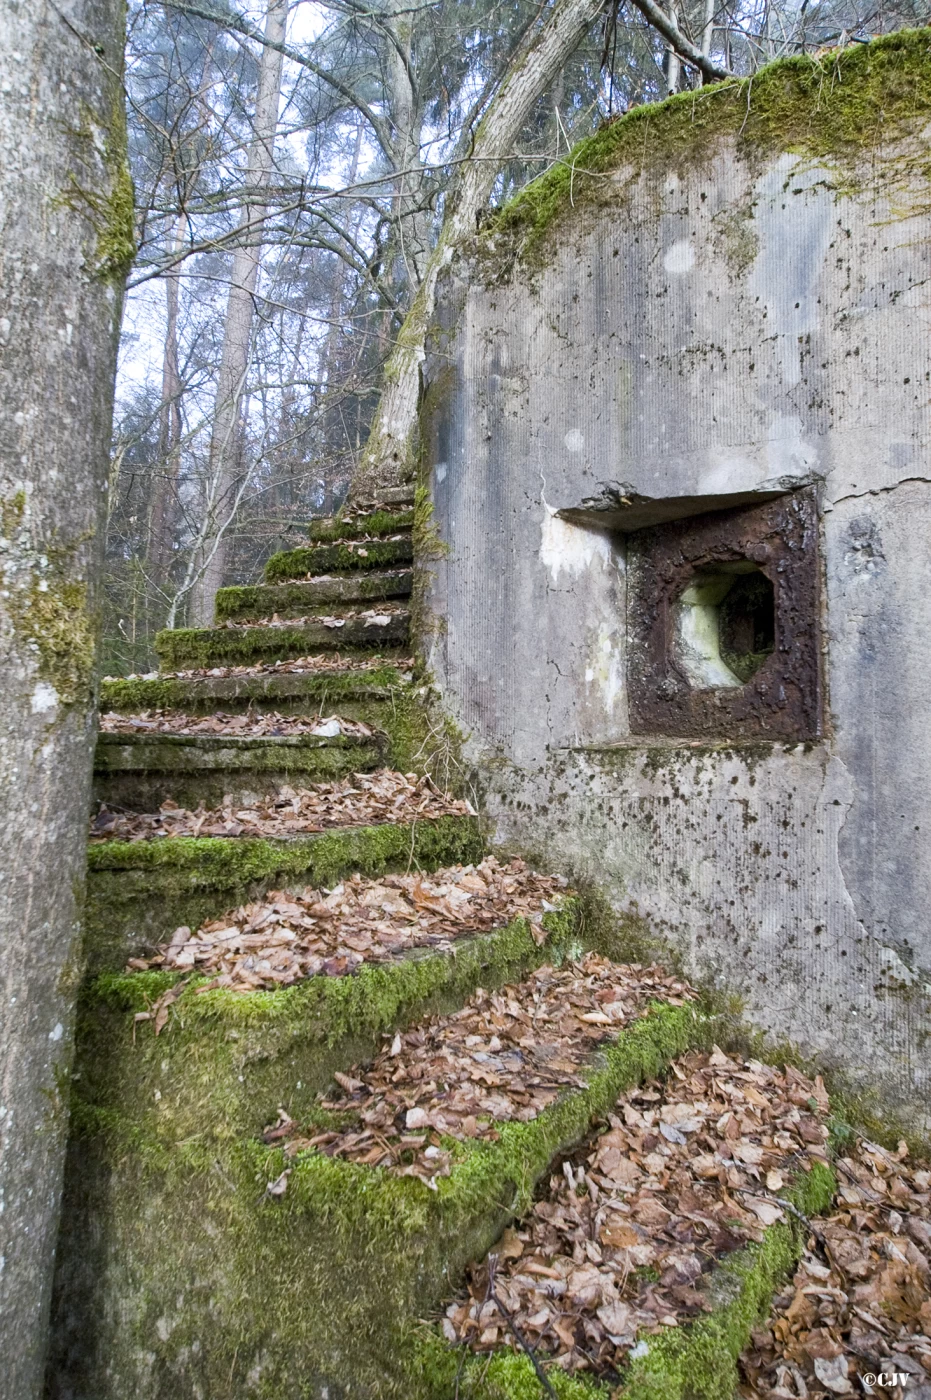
(161,525)
(225,448)
(66,239)
(390,454)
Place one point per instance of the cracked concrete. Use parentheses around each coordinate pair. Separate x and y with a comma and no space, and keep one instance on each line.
(643,363)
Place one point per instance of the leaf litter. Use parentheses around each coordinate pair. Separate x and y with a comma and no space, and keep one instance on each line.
(364,799)
(371,617)
(860,1301)
(504,1057)
(685,1171)
(285,938)
(297,665)
(254,725)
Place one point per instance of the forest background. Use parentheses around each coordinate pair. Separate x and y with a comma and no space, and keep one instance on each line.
(293,166)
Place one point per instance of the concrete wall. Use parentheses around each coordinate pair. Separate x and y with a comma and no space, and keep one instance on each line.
(733,327)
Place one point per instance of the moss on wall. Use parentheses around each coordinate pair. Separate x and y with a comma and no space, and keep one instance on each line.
(832,107)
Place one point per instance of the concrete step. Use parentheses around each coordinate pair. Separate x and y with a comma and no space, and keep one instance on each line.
(140,771)
(297,692)
(323,594)
(219,646)
(345,556)
(360,525)
(139,892)
(338,1259)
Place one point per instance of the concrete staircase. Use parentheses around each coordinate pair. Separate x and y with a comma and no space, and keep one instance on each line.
(200,1256)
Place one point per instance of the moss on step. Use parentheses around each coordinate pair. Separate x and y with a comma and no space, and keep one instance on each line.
(188,647)
(327,558)
(229,1058)
(225,1290)
(377,522)
(697,1362)
(837,107)
(205,694)
(262,600)
(139,891)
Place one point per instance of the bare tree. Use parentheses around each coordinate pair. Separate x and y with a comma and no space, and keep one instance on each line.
(224,473)
(66,239)
(389,453)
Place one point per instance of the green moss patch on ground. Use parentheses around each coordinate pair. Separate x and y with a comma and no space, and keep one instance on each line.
(377,522)
(326,558)
(835,107)
(295,598)
(138,892)
(189,647)
(315,1292)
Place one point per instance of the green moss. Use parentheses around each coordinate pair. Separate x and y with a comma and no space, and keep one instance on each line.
(52,613)
(324,558)
(834,107)
(327,595)
(116,231)
(318,1289)
(207,694)
(187,647)
(138,892)
(377,522)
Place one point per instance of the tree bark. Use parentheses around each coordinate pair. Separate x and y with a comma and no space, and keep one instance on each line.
(390,454)
(169,429)
(66,238)
(225,454)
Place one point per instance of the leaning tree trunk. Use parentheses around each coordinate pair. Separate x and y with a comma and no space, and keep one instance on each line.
(390,454)
(66,238)
(225,446)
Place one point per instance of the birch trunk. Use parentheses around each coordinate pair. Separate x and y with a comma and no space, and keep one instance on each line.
(224,455)
(169,428)
(391,452)
(65,243)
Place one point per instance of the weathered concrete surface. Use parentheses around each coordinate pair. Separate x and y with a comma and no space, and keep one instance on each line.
(727,329)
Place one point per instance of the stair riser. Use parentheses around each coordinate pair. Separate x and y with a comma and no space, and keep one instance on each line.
(189,649)
(383,522)
(337,558)
(285,693)
(138,893)
(322,595)
(140,778)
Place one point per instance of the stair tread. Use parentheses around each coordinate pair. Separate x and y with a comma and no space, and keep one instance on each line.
(314,593)
(363,799)
(505,1057)
(283,939)
(236,640)
(168,723)
(654,1217)
(359,523)
(308,561)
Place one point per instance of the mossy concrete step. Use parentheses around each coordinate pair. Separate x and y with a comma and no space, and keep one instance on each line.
(139,771)
(337,558)
(684,1363)
(169,1226)
(318,594)
(354,527)
(138,892)
(287,691)
(186,647)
